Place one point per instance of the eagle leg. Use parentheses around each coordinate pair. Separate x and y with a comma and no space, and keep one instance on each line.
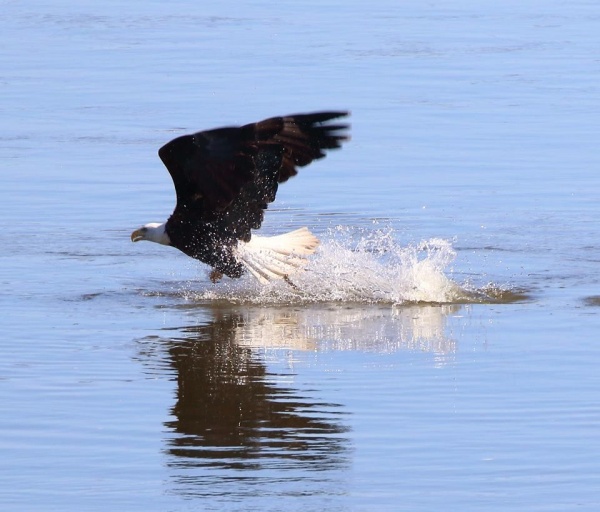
(215,276)
(288,281)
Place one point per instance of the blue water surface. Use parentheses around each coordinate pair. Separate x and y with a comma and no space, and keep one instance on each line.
(130,382)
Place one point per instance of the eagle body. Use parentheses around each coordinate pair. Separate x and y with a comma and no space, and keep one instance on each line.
(210,244)
(225,179)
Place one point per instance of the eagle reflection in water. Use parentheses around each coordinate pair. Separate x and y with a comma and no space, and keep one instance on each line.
(232,413)
(238,421)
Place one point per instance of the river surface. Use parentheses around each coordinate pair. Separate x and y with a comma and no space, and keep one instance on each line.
(441,351)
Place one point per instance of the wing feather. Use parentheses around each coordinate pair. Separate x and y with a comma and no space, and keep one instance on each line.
(228,176)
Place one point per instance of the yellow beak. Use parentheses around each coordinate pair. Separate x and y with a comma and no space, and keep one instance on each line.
(137,235)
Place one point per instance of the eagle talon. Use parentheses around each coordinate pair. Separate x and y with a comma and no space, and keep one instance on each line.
(215,276)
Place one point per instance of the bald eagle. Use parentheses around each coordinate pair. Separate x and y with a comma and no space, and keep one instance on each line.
(224,180)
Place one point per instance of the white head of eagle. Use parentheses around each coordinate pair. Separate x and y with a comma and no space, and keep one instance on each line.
(225,179)
(153,232)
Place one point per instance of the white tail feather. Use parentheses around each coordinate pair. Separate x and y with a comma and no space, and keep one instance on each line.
(277,257)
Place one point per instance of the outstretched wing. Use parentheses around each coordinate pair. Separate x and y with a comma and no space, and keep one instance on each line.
(227,176)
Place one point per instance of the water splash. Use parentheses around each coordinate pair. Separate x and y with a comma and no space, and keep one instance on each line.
(359,266)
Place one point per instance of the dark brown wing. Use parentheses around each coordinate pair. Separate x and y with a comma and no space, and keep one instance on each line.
(209,168)
(214,165)
(302,137)
(225,178)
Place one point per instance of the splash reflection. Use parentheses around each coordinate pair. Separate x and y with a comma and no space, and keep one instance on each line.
(320,327)
(379,329)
